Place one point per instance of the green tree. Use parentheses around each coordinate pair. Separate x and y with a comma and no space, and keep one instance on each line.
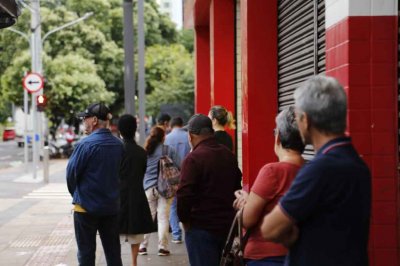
(169,75)
(186,38)
(92,49)
(74,82)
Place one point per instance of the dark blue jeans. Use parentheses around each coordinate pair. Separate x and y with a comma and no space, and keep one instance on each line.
(270,261)
(203,247)
(86,227)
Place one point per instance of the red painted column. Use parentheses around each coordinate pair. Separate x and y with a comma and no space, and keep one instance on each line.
(202,83)
(222,53)
(362,54)
(259,84)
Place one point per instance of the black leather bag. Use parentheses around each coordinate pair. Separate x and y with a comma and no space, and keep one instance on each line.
(232,254)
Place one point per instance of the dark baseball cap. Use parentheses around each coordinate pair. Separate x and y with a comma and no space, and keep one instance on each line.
(99,110)
(199,124)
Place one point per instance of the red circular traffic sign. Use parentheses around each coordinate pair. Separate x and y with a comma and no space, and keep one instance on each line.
(33,82)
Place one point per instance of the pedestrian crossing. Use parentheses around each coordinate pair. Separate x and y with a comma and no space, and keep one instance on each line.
(50,191)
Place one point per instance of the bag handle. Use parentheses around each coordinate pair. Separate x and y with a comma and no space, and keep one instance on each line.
(242,239)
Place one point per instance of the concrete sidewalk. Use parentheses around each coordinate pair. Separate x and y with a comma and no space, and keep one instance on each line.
(36,224)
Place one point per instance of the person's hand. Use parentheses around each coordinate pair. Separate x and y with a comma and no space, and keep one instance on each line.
(241,198)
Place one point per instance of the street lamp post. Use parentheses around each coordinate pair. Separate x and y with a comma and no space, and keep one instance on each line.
(36,47)
(66,25)
(141,74)
(36,44)
(129,66)
(26,37)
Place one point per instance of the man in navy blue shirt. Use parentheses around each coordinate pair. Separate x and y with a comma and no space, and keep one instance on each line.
(324,217)
(92,178)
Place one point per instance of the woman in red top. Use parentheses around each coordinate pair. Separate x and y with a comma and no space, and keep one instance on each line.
(271,184)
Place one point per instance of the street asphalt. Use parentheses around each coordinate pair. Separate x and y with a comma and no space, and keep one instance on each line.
(36,223)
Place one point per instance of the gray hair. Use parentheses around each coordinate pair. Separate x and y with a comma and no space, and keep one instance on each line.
(103,123)
(324,101)
(288,130)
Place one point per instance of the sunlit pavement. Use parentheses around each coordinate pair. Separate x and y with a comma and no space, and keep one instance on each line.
(36,223)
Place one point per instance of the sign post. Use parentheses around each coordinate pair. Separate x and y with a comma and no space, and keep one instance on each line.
(33,82)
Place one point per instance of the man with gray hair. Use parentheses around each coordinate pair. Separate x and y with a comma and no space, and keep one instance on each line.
(324,217)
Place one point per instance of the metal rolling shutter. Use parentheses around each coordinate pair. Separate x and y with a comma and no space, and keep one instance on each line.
(238,82)
(301,47)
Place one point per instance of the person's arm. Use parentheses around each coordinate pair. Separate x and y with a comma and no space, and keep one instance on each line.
(186,194)
(264,190)
(253,210)
(278,227)
(75,167)
(303,197)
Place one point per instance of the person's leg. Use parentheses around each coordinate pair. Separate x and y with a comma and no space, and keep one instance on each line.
(85,234)
(174,222)
(152,199)
(134,252)
(163,208)
(108,230)
(203,247)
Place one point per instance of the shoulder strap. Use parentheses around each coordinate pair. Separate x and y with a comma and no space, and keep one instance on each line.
(242,239)
(164,150)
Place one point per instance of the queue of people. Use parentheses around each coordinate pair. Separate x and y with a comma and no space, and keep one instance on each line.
(296,212)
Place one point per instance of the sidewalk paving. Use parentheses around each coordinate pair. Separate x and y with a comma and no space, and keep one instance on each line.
(36,224)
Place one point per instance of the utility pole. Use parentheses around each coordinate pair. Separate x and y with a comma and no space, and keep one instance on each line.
(36,44)
(142,84)
(129,69)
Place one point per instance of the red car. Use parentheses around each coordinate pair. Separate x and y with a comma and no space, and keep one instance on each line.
(8,134)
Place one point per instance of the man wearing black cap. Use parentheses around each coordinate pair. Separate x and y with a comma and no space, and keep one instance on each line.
(209,177)
(92,178)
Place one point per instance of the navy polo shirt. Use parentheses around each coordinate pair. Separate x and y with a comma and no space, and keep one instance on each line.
(330,201)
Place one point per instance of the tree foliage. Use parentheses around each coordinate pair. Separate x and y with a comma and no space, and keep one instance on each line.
(84,63)
(170,76)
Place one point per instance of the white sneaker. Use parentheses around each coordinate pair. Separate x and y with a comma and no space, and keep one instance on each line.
(177,241)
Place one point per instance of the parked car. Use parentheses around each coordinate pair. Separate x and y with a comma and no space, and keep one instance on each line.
(8,134)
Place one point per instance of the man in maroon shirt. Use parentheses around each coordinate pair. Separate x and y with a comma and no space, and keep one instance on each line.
(209,177)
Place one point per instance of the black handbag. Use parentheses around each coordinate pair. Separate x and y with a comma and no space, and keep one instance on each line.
(232,254)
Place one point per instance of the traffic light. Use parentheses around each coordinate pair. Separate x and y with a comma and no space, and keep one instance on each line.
(9,12)
(41,101)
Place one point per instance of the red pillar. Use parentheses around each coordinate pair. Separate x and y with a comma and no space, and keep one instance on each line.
(222,37)
(259,84)
(222,48)
(202,84)
(362,54)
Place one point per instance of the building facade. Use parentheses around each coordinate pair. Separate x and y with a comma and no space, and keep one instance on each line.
(252,54)
(174,9)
